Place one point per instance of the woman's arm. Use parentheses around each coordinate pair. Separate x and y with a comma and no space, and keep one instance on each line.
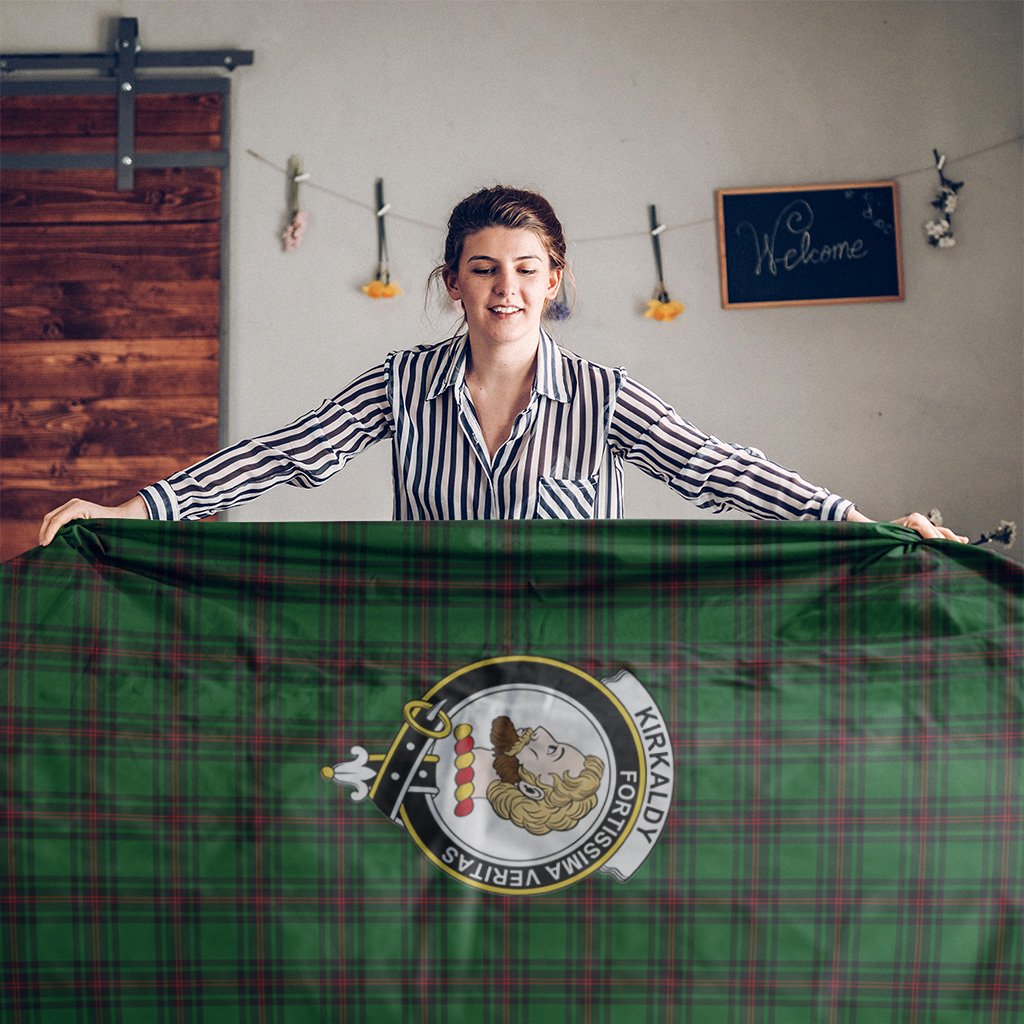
(305,453)
(716,475)
(76,508)
(713,474)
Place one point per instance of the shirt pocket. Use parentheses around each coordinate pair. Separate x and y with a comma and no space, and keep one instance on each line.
(562,498)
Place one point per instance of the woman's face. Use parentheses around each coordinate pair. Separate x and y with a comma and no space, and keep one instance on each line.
(504,279)
(547,757)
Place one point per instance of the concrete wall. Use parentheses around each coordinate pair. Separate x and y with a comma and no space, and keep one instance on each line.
(606,107)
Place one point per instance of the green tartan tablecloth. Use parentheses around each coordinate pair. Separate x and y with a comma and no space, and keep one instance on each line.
(844,841)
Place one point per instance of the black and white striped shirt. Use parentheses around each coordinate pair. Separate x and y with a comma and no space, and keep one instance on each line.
(562,459)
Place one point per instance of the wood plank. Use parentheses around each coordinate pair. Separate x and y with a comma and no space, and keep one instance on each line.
(95,310)
(110,252)
(108,144)
(81,197)
(17,536)
(85,116)
(110,369)
(31,487)
(73,428)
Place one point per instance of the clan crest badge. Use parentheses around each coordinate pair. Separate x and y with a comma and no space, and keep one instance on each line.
(522,775)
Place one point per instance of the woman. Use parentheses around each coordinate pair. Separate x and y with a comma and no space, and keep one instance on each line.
(498,422)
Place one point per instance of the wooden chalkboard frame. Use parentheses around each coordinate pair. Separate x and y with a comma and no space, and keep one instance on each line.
(891,248)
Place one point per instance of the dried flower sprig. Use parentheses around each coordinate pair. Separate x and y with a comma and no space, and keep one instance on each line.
(665,311)
(1004,533)
(298,218)
(940,231)
(661,307)
(292,236)
(558,308)
(381,287)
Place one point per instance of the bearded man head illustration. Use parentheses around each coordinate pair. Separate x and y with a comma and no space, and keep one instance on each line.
(541,784)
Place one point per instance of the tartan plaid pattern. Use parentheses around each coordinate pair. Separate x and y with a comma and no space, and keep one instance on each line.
(845,704)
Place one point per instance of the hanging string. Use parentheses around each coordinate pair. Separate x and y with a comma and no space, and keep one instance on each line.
(616,237)
(311,184)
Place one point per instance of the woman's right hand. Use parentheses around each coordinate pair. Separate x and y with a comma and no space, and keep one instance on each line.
(76,508)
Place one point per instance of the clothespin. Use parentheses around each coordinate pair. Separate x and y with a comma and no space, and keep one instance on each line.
(295,178)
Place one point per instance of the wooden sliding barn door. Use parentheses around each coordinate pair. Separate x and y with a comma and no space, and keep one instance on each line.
(110,309)
(111,304)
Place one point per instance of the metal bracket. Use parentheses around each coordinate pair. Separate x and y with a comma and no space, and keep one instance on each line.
(128,46)
(123,65)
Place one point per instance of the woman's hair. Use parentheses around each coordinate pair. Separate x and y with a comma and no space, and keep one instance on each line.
(501,207)
(564,802)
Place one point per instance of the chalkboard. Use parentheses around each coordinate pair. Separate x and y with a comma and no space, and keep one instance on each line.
(812,244)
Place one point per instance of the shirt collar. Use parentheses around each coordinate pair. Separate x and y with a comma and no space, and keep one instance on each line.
(451,370)
(550,379)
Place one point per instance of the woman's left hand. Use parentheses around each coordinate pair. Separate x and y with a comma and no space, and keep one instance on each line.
(917,522)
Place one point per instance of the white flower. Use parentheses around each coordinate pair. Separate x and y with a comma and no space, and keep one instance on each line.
(949,203)
(946,241)
(937,228)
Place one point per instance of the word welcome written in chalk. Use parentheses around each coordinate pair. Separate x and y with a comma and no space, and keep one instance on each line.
(812,244)
(797,220)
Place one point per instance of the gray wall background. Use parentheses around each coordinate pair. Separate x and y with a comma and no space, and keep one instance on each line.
(606,107)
